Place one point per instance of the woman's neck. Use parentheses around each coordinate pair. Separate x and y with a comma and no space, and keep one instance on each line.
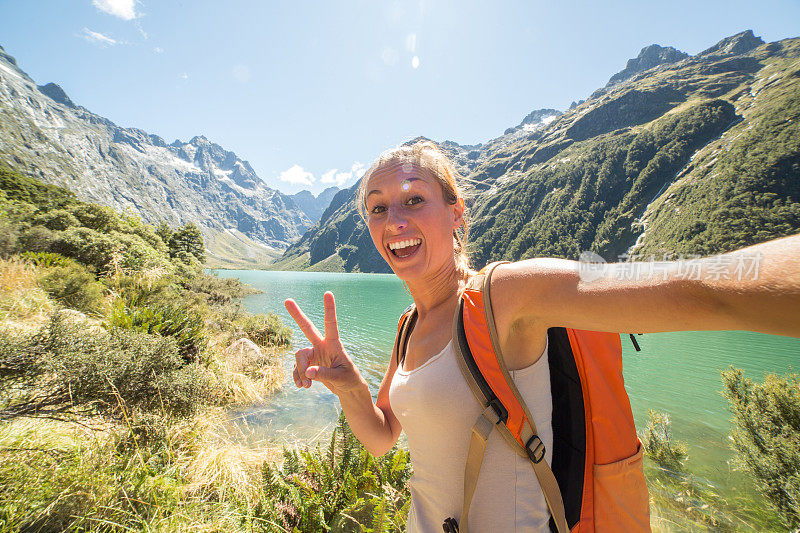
(439,289)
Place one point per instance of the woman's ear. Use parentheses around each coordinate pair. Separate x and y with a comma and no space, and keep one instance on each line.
(458,210)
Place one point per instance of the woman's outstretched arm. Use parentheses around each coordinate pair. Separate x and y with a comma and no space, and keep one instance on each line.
(327,361)
(755,288)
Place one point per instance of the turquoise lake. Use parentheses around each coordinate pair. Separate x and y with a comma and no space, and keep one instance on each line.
(678,373)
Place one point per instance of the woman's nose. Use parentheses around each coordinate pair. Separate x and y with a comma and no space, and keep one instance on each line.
(396,218)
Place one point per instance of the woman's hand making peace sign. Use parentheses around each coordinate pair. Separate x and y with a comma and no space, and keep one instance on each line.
(326,361)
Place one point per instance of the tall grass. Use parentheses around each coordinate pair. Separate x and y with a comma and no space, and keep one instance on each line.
(21,297)
(56,477)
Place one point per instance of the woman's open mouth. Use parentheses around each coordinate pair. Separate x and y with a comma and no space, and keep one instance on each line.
(404,248)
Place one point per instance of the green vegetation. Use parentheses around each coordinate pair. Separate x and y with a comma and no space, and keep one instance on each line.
(71,284)
(344,488)
(65,369)
(696,157)
(187,242)
(766,436)
(589,198)
(169,321)
(115,366)
(659,444)
(683,501)
(745,189)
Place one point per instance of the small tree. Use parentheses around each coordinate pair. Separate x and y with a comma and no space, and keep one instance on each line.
(164,231)
(188,239)
(659,444)
(766,436)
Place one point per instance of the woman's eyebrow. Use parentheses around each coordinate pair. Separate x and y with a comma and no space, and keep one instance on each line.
(407,180)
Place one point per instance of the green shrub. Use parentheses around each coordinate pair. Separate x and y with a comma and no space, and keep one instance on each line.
(659,444)
(186,265)
(37,239)
(267,330)
(136,253)
(216,291)
(9,238)
(72,286)
(157,287)
(66,369)
(47,259)
(342,489)
(134,225)
(88,247)
(164,232)
(766,436)
(96,217)
(185,326)
(57,219)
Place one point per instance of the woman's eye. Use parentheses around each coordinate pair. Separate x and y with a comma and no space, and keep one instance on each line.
(414,200)
(377,209)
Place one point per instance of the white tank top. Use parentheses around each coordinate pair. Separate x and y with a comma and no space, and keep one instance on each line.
(437,410)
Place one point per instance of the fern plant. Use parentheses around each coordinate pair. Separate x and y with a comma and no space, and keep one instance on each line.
(184,326)
(344,488)
(47,259)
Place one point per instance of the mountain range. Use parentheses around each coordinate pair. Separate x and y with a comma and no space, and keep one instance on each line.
(44,134)
(676,154)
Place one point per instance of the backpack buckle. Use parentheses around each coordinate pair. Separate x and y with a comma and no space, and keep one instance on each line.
(535,454)
(499,409)
(450,525)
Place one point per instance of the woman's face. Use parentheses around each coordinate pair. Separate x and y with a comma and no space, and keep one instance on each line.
(410,223)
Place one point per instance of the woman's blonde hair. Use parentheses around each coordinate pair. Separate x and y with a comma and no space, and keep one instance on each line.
(427,156)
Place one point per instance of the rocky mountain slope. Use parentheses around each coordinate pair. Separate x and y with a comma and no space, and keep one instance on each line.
(44,134)
(676,154)
(313,206)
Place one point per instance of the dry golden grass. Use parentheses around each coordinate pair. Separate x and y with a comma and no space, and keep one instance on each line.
(217,465)
(195,475)
(24,306)
(245,375)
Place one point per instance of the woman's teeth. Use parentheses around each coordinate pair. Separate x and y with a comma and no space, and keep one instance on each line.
(404,248)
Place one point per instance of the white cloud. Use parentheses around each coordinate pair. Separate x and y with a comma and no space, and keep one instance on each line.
(358,169)
(415,62)
(183,76)
(124,9)
(329,176)
(98,38)
(241,73)
(296,175)
(158,50)
(340,179)
(333,176)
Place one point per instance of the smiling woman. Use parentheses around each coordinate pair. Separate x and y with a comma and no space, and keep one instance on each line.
(537,311)
(424,172)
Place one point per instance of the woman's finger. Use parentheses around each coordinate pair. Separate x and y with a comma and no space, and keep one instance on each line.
(331,327)
(324,374)
(308,328)
(302,358)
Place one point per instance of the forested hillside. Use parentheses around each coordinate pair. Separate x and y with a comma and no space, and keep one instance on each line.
(677,154)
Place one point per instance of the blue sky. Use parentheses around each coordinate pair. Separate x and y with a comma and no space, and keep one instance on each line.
(309,91)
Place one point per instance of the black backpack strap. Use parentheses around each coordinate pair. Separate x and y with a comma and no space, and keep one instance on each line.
(407,323)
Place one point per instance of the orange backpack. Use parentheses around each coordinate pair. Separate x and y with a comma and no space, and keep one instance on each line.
(596,482)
